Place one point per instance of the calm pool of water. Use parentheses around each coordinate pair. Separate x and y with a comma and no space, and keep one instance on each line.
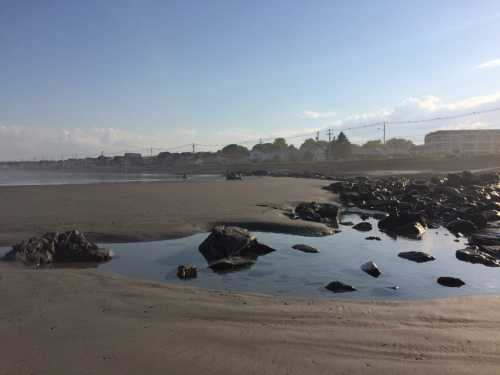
(290,272)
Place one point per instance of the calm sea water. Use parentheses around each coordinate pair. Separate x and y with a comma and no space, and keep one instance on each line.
(16,177)
(290,272)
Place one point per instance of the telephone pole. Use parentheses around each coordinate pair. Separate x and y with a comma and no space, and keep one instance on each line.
(329,135)
(194,148)
(317,136)
(384,131)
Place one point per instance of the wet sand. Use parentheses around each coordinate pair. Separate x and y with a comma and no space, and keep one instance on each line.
(117,212)
(84,322)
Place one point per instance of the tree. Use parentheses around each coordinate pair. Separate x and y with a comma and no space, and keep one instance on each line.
(341,147)
(235,151)
(280,144)
(376,143)
(399,144)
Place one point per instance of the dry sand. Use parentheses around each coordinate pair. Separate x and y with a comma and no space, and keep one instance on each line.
(154,210)
(79,321)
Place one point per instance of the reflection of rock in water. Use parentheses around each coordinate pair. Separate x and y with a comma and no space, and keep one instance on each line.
(230,248)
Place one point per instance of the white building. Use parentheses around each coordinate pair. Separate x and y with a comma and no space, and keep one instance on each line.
(472,142)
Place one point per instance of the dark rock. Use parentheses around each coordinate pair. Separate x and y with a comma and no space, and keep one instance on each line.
(338,287)
(305,248)
(364,216)
(462,226)
(477,256)
(416,256)
(233,176)
(319,212)
(230,264)
(229,241)
(188,271)
(451,282)
(347,223)
(371,269)
(364,226)
(403,224)
(373,238)
(71,246)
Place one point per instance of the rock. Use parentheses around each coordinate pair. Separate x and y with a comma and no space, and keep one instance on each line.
(233,176)
(230,241)
(188,271)
(403,224)
(230,264)
(477,256)
(451,282)
(373,238)
(319,212)
(347,223)
(364,216)
(71,246)
(364,226)
(466,227)
(305,248)
(416,256)
(371,269)
(338,287)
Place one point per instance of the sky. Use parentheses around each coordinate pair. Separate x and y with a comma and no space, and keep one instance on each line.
(81,77)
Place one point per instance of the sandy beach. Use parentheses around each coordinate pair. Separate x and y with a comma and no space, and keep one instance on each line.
(116,212)
(80,321)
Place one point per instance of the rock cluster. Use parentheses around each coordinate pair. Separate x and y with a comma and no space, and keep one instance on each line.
(71,246)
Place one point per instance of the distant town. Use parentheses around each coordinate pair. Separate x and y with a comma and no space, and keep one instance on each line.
(438,144)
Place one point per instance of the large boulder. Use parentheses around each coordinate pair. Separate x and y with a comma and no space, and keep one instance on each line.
(229,242)
(71,246)
(416,256)
(477,256)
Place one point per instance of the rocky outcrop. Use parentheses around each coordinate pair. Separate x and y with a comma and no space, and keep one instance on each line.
(451,282)
(371,269)
(403,224)
(477,256)
(339,287)
(71,246)
(187,271)
(230,247)
(319,212)
(305,248)
(416,256)
(364,226)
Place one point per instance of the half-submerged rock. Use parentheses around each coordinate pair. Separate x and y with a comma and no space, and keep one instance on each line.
(477,256)
(71,246)
(339,287)
(451,282)
(231,247)
(465,227)
(416,256)
(363,226)
(371,269)
(403,224)
(305,248)
(187,271)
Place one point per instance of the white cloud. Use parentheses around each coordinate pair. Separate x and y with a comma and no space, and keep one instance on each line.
(488,64)
(318,115)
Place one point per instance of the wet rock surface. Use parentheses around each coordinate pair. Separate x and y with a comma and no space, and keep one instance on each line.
(305,248)
(319,212)
(477,256)
(416,256)
(371,269)
(364,226)
(71,246)
(231,247)
(451,282)
(339,287)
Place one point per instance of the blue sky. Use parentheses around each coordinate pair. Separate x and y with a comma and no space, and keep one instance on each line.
(131,73)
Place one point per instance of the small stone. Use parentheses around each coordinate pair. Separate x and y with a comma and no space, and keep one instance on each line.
(305,248)
(188,271)
(339,287)
(451,282)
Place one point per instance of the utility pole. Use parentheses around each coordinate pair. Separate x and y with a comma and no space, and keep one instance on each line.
(317,136)
(384,131)
(329,135)
(194,147)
